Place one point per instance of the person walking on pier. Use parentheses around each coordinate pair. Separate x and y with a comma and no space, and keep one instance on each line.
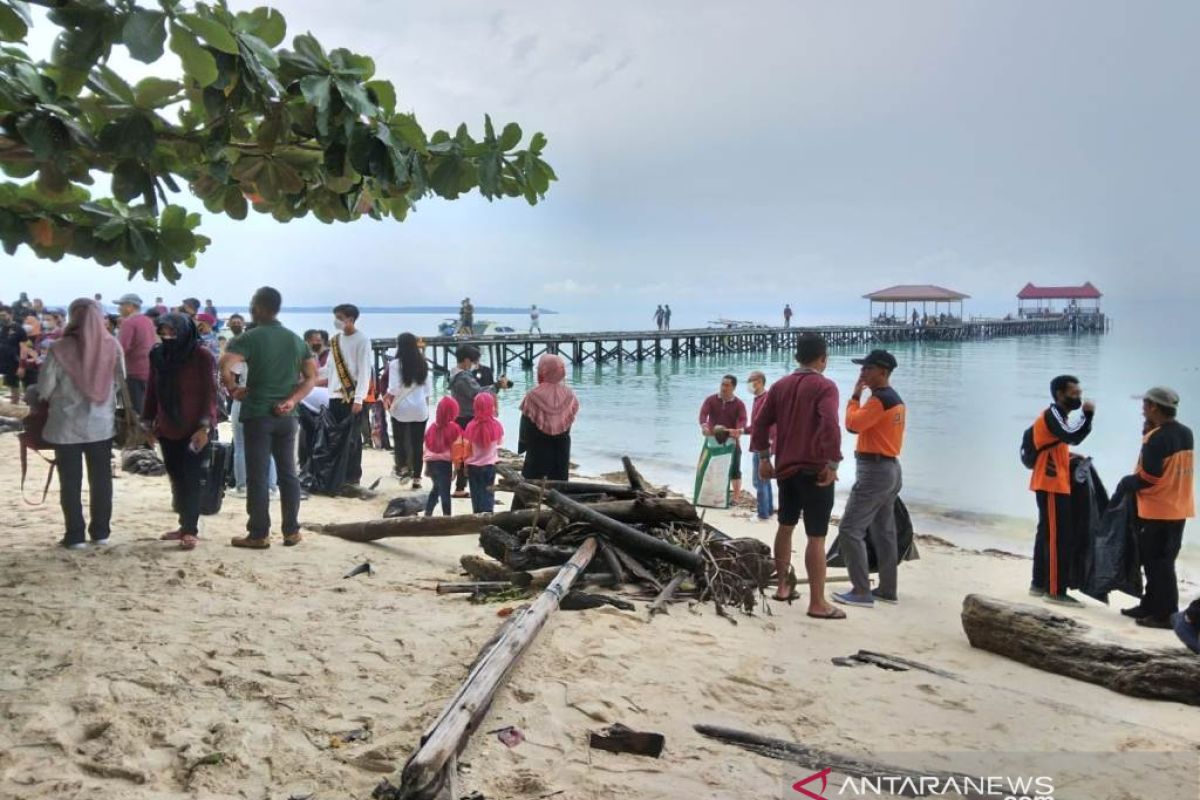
(1165,501)
(871,509)
(763,490)
(667,317)
(725,409)
(787,315)
(350,380)
(535,317)
(803,409)
(466,318)
(1050,438)
(658,316)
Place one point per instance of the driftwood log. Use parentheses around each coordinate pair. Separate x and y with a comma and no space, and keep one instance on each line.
(425,772)
(636,481)
(620,534)
(814,759)
(647,510)
(659,606)
(573,488)
(1057,643)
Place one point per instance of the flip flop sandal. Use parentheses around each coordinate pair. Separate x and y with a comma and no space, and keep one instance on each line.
(833,613)
(188,542)
(789,599)
(172,536)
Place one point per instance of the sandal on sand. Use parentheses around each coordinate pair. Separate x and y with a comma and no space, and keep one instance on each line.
(292,539)
(173,536)
(789,599)
(250,543)
(832,613)
(459,494)
(188,541)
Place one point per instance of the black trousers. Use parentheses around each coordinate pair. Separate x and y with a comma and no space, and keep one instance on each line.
(1051,550)
(185,469)
(1159,541)
(408,446)
(70,458)
(340,410)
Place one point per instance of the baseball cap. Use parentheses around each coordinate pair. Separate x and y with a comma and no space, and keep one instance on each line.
(131,299)
(1163,396)
(877,358)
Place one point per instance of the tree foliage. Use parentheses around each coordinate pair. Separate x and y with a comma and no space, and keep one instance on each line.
(248,125)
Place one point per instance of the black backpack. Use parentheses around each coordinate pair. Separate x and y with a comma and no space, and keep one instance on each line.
(1029,453)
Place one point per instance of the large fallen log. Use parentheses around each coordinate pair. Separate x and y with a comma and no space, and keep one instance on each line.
(624,536)
(574,488)
(1057,643)
(648,510)
(424,774)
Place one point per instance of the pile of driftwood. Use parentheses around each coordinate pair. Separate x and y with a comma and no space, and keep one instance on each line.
(560,534)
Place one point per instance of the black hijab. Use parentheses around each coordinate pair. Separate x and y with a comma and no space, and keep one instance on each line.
(168,356)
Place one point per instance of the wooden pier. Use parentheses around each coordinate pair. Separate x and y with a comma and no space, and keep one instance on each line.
(522,351)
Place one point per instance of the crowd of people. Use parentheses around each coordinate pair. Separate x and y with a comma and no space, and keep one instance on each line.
(182,370)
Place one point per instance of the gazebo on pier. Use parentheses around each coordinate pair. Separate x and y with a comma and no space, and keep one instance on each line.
(1042,301)
(919,298)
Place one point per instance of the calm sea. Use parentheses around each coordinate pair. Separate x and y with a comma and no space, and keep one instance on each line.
(968,404)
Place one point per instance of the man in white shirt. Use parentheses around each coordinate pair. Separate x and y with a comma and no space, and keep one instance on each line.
(350,368)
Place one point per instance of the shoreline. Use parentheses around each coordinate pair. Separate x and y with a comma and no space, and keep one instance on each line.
(126,667)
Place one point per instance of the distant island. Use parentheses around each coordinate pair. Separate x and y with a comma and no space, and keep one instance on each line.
(447,310)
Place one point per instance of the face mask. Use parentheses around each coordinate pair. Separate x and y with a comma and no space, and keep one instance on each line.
(28,328)
(316,348)
(1073,403)
(340,324)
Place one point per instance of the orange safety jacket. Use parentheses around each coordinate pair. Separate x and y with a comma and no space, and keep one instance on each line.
(1053,436)
(879,423)
(1166,474)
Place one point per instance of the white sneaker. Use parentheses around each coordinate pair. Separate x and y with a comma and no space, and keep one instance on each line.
(239,491)
(100,543)
(76,546)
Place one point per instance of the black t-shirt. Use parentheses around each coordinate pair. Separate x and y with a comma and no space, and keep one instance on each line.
(11,336)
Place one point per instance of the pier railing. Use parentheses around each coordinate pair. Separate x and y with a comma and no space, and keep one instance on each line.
(503,351)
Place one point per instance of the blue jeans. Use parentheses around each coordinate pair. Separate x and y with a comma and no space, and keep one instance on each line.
(764,491)
(239,449)
(442,475)
(480,480)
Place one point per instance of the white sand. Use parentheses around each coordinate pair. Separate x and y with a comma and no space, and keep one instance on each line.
(121,668)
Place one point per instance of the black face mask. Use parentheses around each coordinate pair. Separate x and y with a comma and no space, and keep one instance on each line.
(1072,403)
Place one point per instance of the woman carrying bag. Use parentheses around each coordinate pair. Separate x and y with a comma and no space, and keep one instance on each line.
(180,408)
(78,381)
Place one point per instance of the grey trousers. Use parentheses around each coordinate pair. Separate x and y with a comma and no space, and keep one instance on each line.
(872,506)
(267,439)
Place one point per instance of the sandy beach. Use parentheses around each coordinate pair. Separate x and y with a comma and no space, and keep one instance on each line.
(123,671)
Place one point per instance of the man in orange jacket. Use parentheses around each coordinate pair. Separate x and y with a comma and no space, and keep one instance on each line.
(1053,434)
(1165,500)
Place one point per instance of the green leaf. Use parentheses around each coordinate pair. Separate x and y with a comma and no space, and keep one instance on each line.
(144,33)
(385,95)
(407,128)
(538,143)
(44,134)
(129,181)
(198,63)
(235,203)
(131,136)
(111,229)
(151,93)
(347,63)
(260,49)
(316,90)
(355,97)
(112,84)
(511,136)
(176,243)
(307,46)
(173,217)
(265,23)
(211,31)
(12,26)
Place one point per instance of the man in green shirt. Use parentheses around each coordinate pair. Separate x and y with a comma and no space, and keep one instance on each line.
(280,372)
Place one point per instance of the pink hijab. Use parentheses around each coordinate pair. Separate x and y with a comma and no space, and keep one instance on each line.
(551,406)
(484,429)
(87,352)
(444,431)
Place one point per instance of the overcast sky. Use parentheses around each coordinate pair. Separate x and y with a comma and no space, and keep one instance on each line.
(730,156)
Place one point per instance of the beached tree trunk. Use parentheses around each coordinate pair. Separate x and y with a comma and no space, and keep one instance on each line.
(425,773)
(1057,643)
(646,510)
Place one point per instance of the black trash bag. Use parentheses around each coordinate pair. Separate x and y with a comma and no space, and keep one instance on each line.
(1112,557)
(1089,499)
(324,450)
(409,506)
(906,544)
(212,476)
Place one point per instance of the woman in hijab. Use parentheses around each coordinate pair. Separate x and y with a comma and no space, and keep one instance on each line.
(484,434)
(547,414)
(180,410)
(439,454)
(78,380)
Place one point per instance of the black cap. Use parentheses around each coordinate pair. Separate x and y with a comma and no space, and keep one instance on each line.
(877,358)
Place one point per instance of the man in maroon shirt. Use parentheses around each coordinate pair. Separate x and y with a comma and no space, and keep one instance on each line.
(803,409)
(727,410)
(137,335)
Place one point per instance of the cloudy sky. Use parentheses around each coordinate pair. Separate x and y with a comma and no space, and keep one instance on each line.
(726,157)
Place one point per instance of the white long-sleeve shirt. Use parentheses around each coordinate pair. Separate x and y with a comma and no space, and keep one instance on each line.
(411,402)
(359,360)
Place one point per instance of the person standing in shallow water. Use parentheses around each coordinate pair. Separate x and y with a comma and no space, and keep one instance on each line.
(803,408)
(1053,434)
(763,490)
(726,409)
(547,414)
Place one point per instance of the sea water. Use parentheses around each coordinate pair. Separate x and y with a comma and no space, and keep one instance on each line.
(967,406)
